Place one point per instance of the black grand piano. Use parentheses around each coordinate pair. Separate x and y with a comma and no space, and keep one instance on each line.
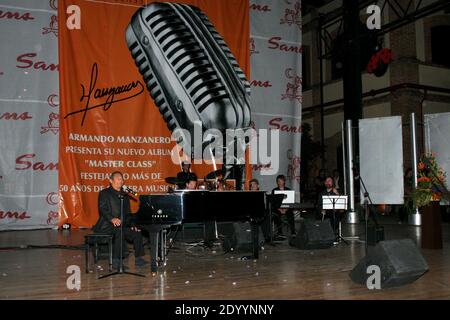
(158,212)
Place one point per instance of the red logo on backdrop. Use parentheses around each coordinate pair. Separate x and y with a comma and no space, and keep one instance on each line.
(294,87)
(261,84)
(253,47)
(260,7)
(52,4)
(293,172)
(15,116)
(52,124)
(14,215)
(53,26)
(53,100)
(262,167)
(23,163)
(16,15)
(53,216)
(280,124)
(293,15)
(25,63)
(52,198)
(274,44)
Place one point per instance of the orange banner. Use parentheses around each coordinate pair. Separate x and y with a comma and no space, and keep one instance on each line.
(108,119)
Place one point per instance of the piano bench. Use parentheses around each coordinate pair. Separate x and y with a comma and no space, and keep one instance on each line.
(92,241)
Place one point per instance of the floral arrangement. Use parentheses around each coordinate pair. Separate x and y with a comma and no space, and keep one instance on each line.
(379,62)
(430,181)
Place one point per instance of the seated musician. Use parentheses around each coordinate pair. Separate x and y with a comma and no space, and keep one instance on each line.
(109,221)
(183,174)
(277,214)
(254,185)
(191,181)
(329,190)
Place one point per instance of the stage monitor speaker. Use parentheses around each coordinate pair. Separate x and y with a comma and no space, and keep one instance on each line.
(400,263)
(237,236)
(313,235)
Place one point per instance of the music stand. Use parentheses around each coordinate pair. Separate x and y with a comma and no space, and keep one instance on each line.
(330,202)
(274,202)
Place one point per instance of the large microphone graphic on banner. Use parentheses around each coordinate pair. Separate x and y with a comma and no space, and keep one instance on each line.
(190,73)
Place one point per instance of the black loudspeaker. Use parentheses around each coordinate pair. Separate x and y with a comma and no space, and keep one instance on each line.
(237,237)
(400,263)
(313,235)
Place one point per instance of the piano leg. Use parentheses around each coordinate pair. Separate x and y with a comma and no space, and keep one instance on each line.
(162,247)
(154,251)
(255,240)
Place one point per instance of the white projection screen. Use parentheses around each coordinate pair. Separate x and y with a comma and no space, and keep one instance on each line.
(437,133)
(381,159)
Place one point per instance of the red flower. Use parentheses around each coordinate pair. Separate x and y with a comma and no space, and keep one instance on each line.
(423,179)
(383,55)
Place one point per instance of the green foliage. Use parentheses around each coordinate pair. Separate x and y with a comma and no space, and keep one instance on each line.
(430,181)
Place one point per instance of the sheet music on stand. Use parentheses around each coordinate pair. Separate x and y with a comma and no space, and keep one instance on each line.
(334,202)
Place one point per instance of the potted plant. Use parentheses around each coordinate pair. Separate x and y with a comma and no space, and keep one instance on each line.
(426,197)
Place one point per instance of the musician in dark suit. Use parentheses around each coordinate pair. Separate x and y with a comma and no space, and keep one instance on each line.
(109,220)
(190,181)
(329,190)
(280,212)
(183,175)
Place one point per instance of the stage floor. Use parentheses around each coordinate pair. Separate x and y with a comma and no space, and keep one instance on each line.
(282,272)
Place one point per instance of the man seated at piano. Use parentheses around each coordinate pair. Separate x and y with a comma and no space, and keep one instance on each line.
(278,214)
(109,221)
(183,174)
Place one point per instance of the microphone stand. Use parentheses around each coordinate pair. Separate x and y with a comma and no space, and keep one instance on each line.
(121,269)
(366,212)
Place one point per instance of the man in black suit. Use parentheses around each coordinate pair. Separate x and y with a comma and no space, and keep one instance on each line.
(280,212)
(109,220)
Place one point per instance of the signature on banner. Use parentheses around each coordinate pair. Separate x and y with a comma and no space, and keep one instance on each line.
(93,95)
